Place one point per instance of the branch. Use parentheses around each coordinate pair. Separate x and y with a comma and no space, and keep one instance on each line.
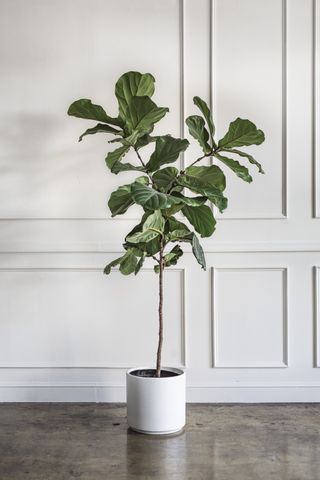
(143,164)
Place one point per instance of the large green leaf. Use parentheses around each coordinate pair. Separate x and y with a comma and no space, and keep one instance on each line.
(152,227)
(155,221)
(133,84)
(113,157)
(167,150)
(142,237)
(190,201)
(198,130)
(203,107)
(201,218)
(84,108)
(241,132)
(203,176)
(236,167)
(165,178)
(212,193)
(149,198)
(246,155)
(100,128)
(141,114)
(127,263)
(120,200)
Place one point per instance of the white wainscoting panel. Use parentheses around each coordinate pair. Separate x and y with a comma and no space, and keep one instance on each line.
(249,317)
(57,318)
(249,81)
(45,172)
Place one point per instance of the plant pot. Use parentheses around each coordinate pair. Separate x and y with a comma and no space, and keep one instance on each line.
(156,405)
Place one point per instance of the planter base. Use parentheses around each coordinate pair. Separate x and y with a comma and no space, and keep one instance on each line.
(170,433)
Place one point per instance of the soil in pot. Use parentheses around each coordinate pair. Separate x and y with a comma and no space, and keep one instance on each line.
(151,373)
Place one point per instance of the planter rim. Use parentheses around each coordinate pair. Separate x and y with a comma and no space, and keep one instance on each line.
(179,371)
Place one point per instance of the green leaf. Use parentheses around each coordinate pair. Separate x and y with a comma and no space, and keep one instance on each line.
(207,181)
(171,258)
(203,107)
(114,263)
(165,177)
(201,177)
(236,167)
(142,237)
(100,128)
(201,218)
(178,231)
(115,156)
(212,175)
(190,201)
(149,198)
(198,130)
(154,221)
(246,155)
(139,264)
(152,227)
(241,132)
(127,263)
(133,84)
(84,108)
(167,150)
(197,251)
(141,114)
(120,200)
(125,167)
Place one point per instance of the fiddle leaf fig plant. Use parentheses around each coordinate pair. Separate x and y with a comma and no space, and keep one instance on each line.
(161,189)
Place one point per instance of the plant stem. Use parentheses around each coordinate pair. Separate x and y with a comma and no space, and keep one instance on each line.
(213,151)
(160,342)
(143,164)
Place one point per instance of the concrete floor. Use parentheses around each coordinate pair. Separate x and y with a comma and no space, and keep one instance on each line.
(221,442)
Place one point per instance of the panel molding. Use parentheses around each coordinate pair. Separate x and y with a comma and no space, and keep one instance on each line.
(109,366)
(316,327)
(315,103)
(212,56)
(285,338)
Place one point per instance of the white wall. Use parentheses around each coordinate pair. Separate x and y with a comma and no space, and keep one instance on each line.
(247,329)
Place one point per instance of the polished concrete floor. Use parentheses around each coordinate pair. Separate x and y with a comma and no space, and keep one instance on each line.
(221,442)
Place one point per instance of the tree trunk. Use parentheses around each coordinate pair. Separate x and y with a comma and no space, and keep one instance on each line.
(160,341)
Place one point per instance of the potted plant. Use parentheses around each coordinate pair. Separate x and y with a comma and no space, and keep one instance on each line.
(156,395)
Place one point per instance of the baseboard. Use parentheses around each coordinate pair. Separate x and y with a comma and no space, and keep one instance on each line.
(101,393)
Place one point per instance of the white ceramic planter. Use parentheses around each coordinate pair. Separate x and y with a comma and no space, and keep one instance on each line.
(156,405)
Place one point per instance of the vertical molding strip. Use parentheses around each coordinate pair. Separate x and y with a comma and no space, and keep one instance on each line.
(315,99)
(182,62)
(316,360)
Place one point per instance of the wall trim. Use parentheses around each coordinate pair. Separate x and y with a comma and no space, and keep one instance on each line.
(200,394)
(13,248)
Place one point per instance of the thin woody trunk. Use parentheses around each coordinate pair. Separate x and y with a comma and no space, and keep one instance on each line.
(160,341)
